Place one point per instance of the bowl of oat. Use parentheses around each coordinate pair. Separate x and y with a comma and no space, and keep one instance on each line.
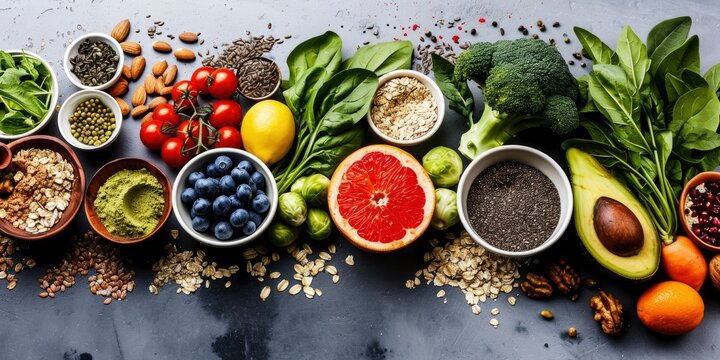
(41,190)
(407,109)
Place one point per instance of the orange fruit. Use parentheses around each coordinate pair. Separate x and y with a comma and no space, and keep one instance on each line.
(381,198)
(683,261)
(671,308)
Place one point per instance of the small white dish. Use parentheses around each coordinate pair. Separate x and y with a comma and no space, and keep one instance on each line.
(199,163)
(434,90)
(72,51)
(524,155)
(69,106)
(53,98)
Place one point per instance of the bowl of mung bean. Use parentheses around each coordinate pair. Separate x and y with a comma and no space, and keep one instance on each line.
(90,120)
(93,61)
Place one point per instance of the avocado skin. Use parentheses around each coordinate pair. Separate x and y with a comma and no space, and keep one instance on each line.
(591,181)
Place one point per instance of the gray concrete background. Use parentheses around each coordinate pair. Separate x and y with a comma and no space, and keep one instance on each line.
(369,314)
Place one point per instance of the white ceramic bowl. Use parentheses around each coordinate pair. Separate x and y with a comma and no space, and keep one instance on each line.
(198,163)
(72,50)
(51,106)
(434,90)
(525,155)
(69,106)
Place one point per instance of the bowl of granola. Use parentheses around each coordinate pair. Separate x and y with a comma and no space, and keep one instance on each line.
(41,190)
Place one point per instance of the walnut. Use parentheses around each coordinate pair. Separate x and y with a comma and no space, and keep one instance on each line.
(565,278)
(536,286)
(608,312)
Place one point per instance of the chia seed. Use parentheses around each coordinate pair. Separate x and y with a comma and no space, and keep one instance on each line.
(513,206)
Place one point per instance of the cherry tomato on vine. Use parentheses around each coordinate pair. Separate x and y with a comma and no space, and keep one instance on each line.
(152,135)
(190,129)
(223,83)
(184,94)
(229,137)
(172,153)
(199,78)
(226,113)
(166,114)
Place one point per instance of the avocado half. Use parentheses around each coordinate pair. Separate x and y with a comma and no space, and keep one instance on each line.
(591,182)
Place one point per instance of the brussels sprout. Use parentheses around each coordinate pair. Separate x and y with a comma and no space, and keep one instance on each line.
(446,212)
(444,166)
(298,185)
(281,234)
(315,190)
(318,224)
(292,208)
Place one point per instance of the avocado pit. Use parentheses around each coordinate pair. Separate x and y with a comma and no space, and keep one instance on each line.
(617,227)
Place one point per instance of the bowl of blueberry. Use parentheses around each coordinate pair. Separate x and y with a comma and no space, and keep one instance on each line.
(225,197)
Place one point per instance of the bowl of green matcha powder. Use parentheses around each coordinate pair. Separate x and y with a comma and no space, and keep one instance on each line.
(128,200)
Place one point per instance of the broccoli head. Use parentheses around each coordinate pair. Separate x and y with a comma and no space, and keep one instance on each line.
(526,84)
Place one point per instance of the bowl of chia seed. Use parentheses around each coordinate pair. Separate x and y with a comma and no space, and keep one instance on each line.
(515,201)
(258,78)
(93,61)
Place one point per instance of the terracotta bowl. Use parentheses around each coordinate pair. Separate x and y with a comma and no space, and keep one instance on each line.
(99,179)
(695,181)
(52,143)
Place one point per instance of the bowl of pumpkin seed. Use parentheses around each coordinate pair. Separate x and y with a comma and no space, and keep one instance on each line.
(90,120)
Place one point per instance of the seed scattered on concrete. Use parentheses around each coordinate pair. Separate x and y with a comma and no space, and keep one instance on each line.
(350,260)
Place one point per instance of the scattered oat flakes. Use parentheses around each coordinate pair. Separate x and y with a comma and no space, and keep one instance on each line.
(264,293)
(350,260)
(227,284)
(511,300)
(282,285)
(476,309)
(494,322)
(295,289)
(440,293)
(494,311)
(174,233)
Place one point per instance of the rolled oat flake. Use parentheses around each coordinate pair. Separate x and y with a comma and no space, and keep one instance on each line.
(404,109)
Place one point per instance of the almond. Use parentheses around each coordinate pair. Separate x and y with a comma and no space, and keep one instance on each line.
(159,84)
(131,48)
(147,117)
(119,89)
(165,91)
(149,84)
(139,96)
(139,111)
(169,75)
(121,31)
(184,54)
(137,66)
(156,102)
(124,107)
(161,46)
(188,37)
(126,73)
(159,67)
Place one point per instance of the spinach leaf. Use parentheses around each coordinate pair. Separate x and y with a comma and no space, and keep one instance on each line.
(687,56)
(330,150)
(458,93)
(15,123)
(23,97)
(712,76)
(693,79)
(343,100)
(303,90)
(12,76)
(675,87)
(6,61)
(322,51)
(696,109)
(666,36)
(382,57)
(633,58)
(596,49)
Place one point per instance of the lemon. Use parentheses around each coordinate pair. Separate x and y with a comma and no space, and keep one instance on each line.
(268,131)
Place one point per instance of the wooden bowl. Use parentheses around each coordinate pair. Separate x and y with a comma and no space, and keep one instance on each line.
(54,144)
(695,181)
(101,177)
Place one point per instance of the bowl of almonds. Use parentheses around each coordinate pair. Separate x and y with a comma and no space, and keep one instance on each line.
(93,61)
(42,188)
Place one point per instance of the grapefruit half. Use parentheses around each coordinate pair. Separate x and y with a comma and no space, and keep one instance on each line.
(381,198)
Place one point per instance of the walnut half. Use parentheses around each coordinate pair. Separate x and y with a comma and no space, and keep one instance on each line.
(536,286)
(565,278)
(608,312)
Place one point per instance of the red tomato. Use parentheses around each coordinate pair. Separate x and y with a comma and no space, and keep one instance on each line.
(184,94)
(152,135)
(172,153)
(226,113)
(199,78)
(166,114)
(223,83)
(190,129)
(229,137)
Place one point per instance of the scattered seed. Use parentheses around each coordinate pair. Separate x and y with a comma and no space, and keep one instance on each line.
(325,256)
(107,301)
(440,293)
(174,233)
(577,55)
(476,309)
(494,322)
(582,64)
(227,284)
(308,290)
(556,24)
(547,314)
(350,260)
(332,248)
(264,293)
(494,311)
(295,289)
(572,332)
(336,279)
(318,292)
(282,285)
(274,275)
(511,300)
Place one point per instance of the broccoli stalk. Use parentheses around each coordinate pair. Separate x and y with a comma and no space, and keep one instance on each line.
(494,129)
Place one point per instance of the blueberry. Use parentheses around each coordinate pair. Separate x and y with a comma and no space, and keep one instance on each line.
(245,165)
(193,213)
(259,192)
(212,170)
(223,230)
(235,203)
(244,193)
(200,223)
(207,188)
(253,187)
(227,185)
(239,218)
(255,217)
(221,205)
(224,164)
(240,175)
(261,204)
(188,196)
(194,177)
(249,228)
(258,179)
(202,206)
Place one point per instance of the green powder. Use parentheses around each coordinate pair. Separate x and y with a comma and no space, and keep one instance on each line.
(130,203)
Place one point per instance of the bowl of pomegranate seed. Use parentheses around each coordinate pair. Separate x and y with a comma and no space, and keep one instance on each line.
(700,210)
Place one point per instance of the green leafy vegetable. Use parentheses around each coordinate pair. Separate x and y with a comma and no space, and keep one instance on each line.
(596,49)
(25,92)
(458,93)
(382,58)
